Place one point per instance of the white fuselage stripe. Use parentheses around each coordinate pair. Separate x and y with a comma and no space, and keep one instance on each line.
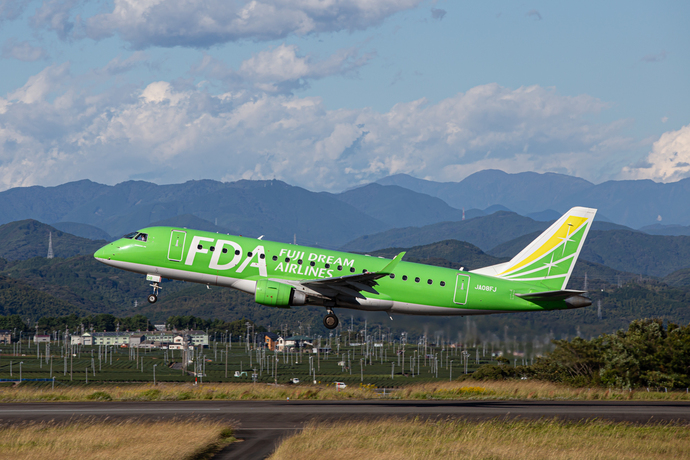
(249,287)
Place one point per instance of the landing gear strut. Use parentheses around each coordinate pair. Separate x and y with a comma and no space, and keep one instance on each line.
(154,297)
(330,320)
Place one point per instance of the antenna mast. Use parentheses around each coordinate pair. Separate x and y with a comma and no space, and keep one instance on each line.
(50,246)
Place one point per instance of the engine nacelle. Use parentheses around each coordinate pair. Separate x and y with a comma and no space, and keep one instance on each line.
(276,294)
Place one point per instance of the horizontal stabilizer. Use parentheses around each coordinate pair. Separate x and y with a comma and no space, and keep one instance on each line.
(572,298)
(551,295)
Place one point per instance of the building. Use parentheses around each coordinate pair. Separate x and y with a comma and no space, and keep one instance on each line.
(180,342)
(198,338)
(163,338)
(136,339)
(111,338)
(84,339)
(270,340)
(41,338)
(294,342)
(5,336)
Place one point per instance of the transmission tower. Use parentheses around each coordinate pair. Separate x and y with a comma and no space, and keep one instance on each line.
(50,246)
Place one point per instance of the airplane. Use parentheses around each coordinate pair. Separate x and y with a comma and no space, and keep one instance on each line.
(285,275)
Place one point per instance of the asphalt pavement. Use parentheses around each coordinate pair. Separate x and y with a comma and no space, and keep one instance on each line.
(263,424)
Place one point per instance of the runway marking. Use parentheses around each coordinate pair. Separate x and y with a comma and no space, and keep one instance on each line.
(21,411)
(264,429)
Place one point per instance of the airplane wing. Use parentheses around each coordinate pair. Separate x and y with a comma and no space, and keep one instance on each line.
(351,285)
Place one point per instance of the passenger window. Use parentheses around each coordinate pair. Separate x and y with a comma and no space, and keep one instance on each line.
(429,282)
(416,280)
(275,258)
(287,259)
(443,283)
(212,248)
(328,265)
(392,275)
(262,256)
(340,267)
(404,277)
(199,247)
(352,269)
(225,250)
(237,252)
(299,261)
(312,263)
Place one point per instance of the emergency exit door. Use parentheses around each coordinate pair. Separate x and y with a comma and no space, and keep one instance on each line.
(462,287)
(176,249)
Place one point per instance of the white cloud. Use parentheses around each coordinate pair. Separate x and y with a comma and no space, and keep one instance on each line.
(22,51)
(655,57)
(118,65)
(203,23)
(438,13)
(534,14)
(12,9)
(168,134)
(669,160)
(56,15)
(282,69)
(41,84)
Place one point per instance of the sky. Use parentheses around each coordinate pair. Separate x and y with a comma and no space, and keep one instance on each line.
(331,94)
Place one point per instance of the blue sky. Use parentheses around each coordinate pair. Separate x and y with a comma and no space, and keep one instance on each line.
(329,94)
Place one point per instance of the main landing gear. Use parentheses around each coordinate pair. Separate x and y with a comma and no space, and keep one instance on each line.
(330,320)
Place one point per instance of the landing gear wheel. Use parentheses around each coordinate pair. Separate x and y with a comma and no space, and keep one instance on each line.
(330,321)
(153,298)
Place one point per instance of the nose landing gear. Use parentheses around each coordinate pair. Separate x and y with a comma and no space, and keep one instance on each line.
(152,298)
(330,320)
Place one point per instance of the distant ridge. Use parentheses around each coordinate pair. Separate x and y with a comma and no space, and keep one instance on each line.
(26,239)
(634,203)
(484,232)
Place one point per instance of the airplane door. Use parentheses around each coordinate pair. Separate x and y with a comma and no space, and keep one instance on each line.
(462,288)
(176,249)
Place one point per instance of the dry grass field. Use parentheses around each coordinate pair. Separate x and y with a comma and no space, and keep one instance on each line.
(182,439)
(508,389)
(511,440)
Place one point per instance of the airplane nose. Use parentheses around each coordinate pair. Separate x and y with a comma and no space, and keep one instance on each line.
(104,253)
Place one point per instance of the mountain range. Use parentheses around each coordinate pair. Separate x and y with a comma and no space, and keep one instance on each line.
(286,213)
(634,203)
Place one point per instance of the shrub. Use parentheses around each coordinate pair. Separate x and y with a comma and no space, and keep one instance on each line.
(99,396)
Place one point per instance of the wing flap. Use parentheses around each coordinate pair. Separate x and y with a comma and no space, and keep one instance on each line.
(359,282)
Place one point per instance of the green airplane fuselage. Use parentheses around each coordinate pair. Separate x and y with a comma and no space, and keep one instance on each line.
(240,262)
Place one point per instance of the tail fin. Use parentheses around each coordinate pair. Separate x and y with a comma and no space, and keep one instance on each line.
(549,259)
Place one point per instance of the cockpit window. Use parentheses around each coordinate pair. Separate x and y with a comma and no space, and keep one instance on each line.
(129,236)
(142,237)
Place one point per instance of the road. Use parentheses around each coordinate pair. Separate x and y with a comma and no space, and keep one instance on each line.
(262,424)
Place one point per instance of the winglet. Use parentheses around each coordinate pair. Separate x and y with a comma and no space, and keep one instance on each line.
(392,264)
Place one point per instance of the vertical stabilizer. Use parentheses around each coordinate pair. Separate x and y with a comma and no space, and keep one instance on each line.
(549,260)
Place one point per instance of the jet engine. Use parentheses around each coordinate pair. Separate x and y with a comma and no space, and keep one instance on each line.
(276,294)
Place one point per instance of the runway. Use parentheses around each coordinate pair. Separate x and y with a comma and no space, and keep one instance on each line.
(262,424)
